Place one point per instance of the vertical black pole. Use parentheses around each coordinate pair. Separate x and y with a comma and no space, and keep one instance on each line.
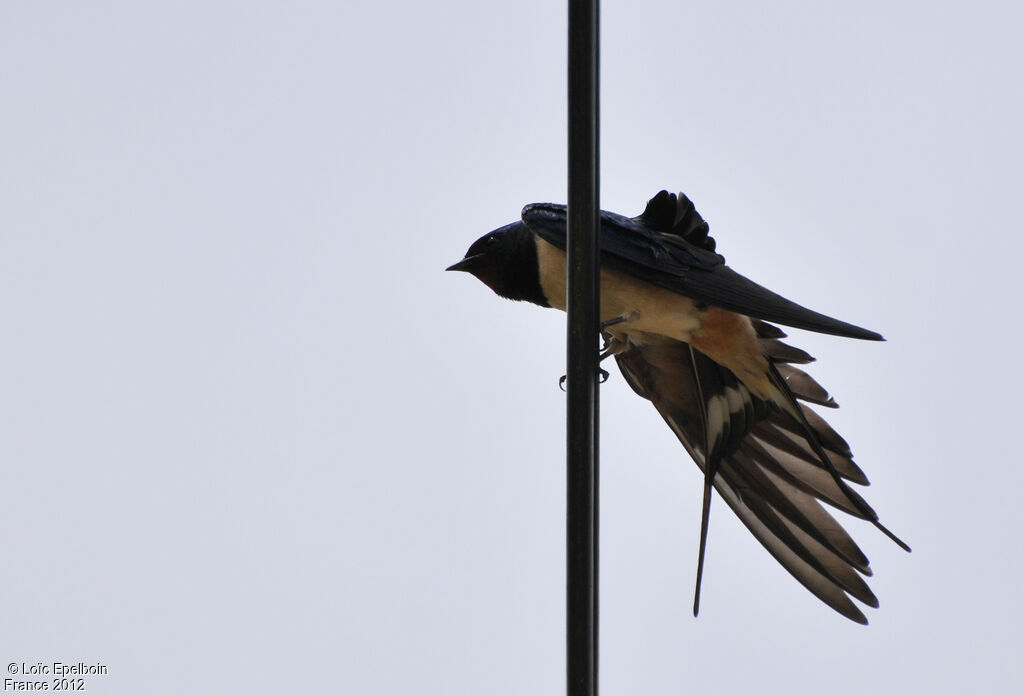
(582,369)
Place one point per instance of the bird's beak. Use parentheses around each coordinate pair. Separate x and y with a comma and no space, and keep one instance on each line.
(465,264)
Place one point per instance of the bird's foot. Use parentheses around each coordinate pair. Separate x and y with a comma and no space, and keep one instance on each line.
(603,374)
(612,346)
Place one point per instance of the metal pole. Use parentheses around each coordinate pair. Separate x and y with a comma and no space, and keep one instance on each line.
(582,368)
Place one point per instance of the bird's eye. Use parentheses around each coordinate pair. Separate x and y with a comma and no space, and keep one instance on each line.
(492,240)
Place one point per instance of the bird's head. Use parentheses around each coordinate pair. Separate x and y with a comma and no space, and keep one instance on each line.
(505,260)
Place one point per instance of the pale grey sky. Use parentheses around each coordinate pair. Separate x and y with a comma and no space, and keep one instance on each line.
(255,440)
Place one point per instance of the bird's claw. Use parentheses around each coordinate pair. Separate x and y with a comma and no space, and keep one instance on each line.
(603,373)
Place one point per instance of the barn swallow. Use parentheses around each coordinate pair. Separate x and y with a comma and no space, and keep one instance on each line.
(693,337)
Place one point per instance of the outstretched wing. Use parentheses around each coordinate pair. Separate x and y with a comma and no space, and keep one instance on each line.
(767,471)
(667,245)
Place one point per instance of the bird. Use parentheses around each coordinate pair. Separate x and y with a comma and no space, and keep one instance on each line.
(700,342)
